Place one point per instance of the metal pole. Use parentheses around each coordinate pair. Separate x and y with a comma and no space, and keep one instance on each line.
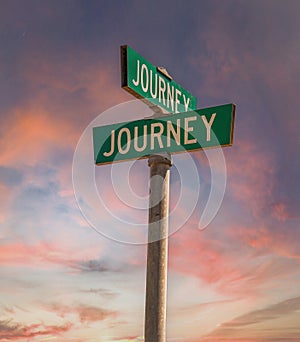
(157,254)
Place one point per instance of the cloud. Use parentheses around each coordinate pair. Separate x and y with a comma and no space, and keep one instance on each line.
(43,255)
(85,313)
(10,331)
(242,325)
(107,294)
(105,264)
(59,105)
(10,176)
(274,311)
(58,255)
(252,181)
(36,137)
(280,211)
(224,339)
(93,314)
(253,184)
(267,239)
(262,220)
(194,253)
(129,338)
(235,261)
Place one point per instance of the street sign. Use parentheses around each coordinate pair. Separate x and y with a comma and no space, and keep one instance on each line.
(153,84)
(188,131)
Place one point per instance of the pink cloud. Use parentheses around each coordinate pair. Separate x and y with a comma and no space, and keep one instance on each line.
(251,177)
(54,118)
(33,134)
(193,252)
(239,263)
(264,239)
(96,83)
(252,180)
(15,331)
(44,255)
(128,338)
(280,211)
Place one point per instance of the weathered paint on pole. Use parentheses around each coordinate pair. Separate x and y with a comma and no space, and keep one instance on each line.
(157,254)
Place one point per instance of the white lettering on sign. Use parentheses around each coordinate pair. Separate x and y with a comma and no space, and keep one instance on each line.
(120,147)
(137,81)
(136,138)
(186,102)
(156,87)
(208,124)
(144,78)
(156,135)
(170,96)
(177,100)
(176,134)
(112,145)
(159,135)
(188,129)
(153,95)
(161,90)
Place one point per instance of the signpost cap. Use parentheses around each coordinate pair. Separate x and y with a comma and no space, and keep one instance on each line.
(164,71)
(160,158)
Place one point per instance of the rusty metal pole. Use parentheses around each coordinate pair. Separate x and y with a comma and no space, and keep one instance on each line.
(157,253)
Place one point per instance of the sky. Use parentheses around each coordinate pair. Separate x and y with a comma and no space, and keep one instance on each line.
(65,278)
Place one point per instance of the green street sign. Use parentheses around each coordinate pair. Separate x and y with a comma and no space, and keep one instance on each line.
(188,131)
(152,84)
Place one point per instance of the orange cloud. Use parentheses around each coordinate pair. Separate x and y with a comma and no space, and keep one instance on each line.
(93,314)
(252,326)
(85,313)
(64,99)
(34,135)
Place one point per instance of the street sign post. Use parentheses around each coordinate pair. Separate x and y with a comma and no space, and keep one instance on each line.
(189,131)
(157,249)
(153,85)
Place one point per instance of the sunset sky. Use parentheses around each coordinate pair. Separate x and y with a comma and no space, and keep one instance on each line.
(238,280)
